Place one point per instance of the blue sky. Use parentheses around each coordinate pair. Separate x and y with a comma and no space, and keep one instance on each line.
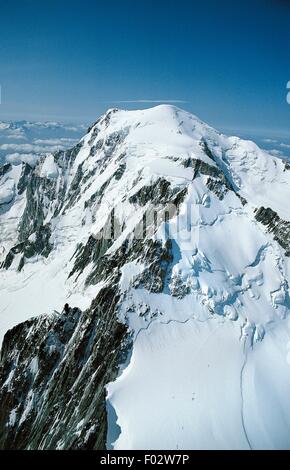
(228,62)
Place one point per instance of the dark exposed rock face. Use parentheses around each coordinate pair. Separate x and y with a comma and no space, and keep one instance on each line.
(278,227)
(218,182)
(42,195)
(160,192)
(29,248)
(4,169)
(206,149)
(97,197)
(90,253)
(200,167)
(24,178)
(65,158)
(39,191)
(158,259)
(217,187)
(52,377)
(153,254)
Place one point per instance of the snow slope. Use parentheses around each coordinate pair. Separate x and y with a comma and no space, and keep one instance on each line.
(204,293)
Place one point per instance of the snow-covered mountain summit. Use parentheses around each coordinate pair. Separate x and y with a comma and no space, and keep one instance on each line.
(172,242)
